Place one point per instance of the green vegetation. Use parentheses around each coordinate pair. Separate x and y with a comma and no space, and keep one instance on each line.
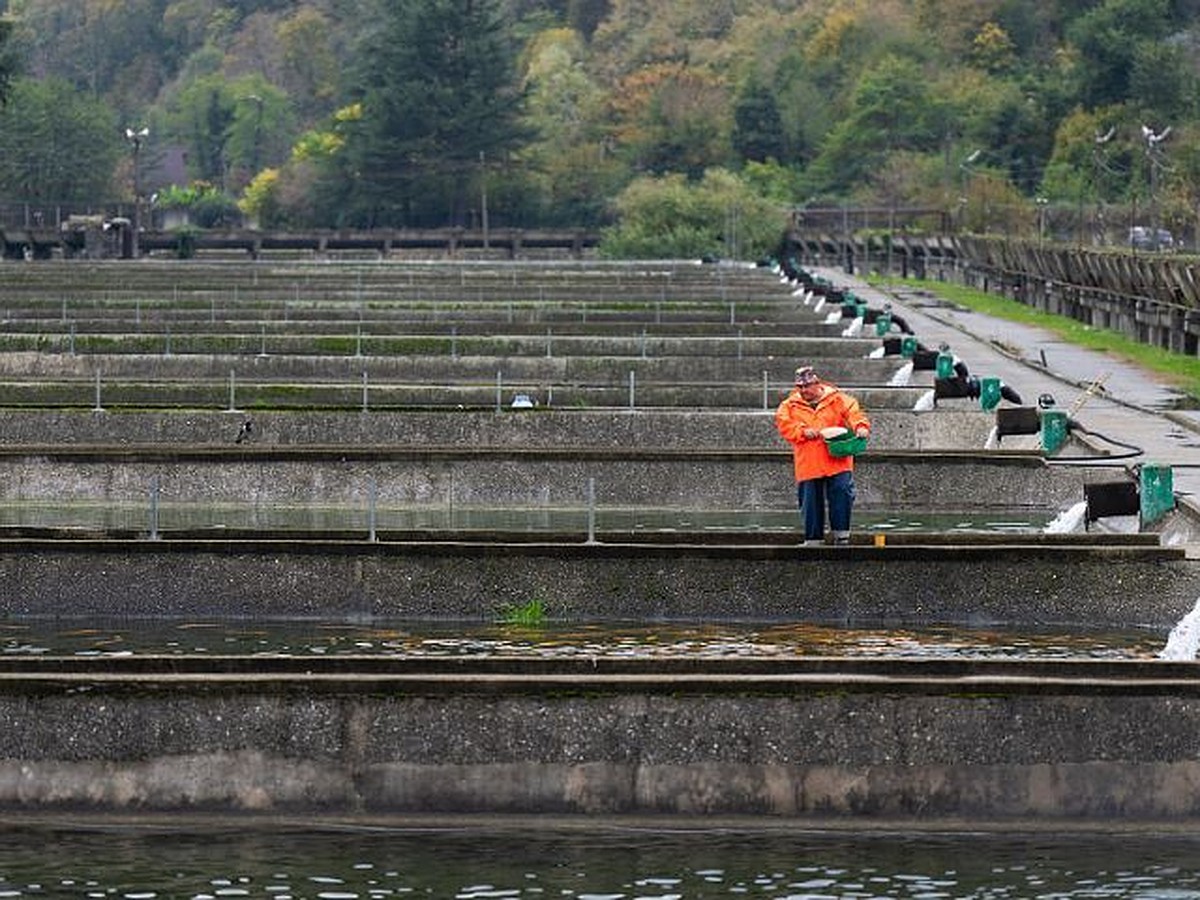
(1181,371)
(531,614)
(718,216)
(589,113)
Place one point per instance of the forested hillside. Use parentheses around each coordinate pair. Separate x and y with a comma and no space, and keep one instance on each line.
(573,112)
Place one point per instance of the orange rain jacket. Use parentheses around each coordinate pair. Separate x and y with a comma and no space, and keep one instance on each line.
(811,458)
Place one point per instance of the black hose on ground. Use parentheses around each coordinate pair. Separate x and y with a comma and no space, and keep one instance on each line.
(1073,425)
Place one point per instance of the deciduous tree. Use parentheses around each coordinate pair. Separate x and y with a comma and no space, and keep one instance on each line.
(672,117)
(569,170)
(1109,38)
(717,216)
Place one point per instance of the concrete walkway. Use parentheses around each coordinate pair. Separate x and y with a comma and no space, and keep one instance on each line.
(1132,405)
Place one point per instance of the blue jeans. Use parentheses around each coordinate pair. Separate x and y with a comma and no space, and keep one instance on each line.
(836,491)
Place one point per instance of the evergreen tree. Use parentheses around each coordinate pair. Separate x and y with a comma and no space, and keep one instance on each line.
(439,107)
(56,146)
(757,124)
(200,118)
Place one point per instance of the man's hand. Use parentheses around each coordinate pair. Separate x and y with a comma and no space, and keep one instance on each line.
(810,434)
(862,431)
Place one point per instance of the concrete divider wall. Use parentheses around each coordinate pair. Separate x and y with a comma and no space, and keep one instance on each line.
(693,427)
(451,479)
(286,354)
(813,745)
(976,585)
(447,370)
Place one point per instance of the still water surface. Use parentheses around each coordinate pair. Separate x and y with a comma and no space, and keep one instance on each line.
(600,864)
(45,637)
(141,516)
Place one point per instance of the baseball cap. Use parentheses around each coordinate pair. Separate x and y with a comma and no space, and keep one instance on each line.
(805,376)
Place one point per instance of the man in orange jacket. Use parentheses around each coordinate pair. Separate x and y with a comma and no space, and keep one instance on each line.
(804,419)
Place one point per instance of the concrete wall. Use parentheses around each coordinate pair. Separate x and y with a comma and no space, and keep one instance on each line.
(289,356)
(1033,583)
(961,428)
(832,742)
(447,479)
(563,371)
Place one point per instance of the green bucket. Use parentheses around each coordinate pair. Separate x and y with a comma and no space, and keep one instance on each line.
(846,445)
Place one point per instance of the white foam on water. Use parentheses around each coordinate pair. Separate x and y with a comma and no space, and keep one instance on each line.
(1068,521)
(902,375)
(1184,640)
(924,402)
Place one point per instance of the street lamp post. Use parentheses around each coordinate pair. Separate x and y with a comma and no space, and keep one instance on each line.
(964,197)
(136,138)
(1098,165)
(1154,153)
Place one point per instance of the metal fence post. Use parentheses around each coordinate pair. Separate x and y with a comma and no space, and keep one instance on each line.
(591,511)
(372,502)
(154,508)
